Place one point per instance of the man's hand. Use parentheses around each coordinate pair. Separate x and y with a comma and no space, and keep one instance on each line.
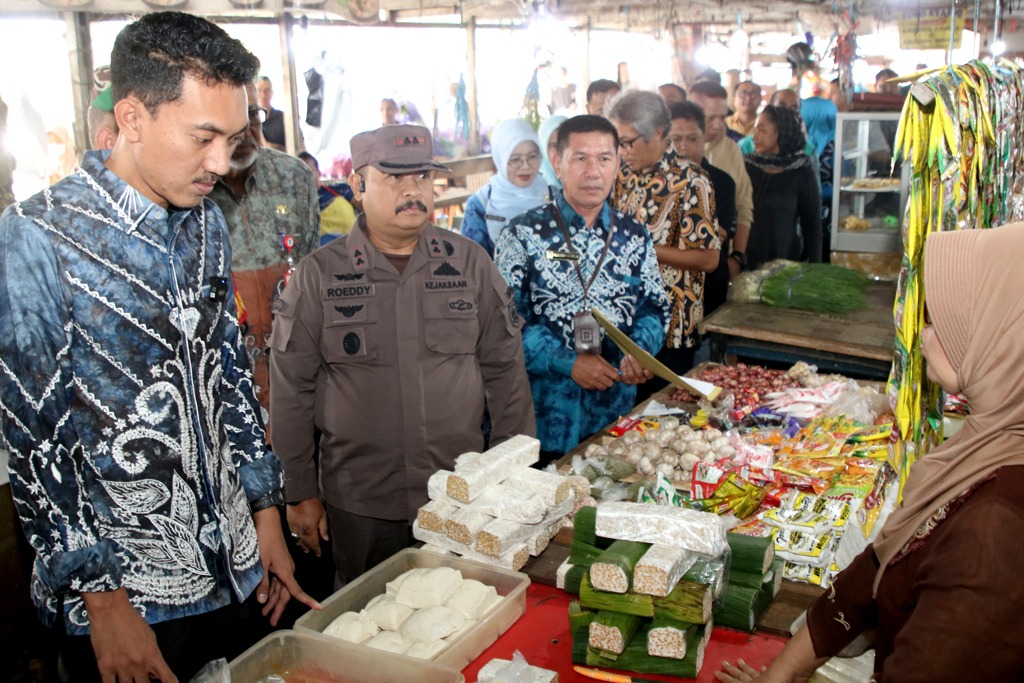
(632,373)
(125,646)
(591,371)
(308,521)
(278,585)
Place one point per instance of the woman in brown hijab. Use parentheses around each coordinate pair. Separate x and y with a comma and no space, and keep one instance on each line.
(942,585)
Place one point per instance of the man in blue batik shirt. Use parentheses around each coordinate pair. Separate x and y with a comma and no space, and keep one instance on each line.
(137,454)
(579,388)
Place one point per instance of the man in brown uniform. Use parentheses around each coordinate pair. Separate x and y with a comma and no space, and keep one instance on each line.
(389,341)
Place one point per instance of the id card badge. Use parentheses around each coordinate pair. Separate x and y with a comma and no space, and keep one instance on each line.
(586,333)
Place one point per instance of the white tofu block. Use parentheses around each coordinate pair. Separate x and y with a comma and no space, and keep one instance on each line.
(473,599)
(388,641)
(386,612)
(427,589)
(431,624)
(353,627)
(431,548)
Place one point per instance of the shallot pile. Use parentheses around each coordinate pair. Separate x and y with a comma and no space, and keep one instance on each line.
(740,379)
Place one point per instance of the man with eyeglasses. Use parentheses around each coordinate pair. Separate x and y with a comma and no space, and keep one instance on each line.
(746,101)
(273,212)
(566,257)
(389,342)
(673,198)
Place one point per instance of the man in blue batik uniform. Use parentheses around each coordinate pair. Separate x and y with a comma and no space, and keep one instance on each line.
(138,460)
(561,260)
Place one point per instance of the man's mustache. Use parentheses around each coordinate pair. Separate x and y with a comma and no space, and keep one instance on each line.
(411,204)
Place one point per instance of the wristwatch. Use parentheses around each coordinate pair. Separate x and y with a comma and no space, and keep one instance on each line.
(740,258)
(275,499)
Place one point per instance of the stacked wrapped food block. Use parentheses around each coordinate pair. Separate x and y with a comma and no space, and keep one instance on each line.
(494,507)
(646,586)
(752,581)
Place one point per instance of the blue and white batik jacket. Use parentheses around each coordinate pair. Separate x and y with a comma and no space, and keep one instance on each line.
(531,254)
(126,401)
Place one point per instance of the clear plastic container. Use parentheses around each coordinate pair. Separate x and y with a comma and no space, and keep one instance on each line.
(307,657)
(464,648)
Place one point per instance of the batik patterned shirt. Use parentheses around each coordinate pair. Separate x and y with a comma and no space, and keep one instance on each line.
(280,199)
(530,253)
(674,199)
(126,401)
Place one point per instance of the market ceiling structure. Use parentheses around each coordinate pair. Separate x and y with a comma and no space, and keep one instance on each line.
(655,15)
(647,16)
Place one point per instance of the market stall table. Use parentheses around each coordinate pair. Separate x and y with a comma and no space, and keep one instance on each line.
(793,599)
(857,343)
(542,636)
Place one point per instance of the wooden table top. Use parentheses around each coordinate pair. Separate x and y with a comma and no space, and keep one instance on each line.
(869,333)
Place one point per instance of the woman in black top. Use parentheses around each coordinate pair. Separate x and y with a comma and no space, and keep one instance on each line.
(787,201)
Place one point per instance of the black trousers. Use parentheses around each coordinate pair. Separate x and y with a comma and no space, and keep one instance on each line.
(360,543)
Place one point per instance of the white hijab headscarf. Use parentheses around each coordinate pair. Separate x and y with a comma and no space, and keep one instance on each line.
(506,200)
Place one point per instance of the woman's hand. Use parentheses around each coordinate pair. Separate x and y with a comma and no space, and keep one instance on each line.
(795,664)
(741,673)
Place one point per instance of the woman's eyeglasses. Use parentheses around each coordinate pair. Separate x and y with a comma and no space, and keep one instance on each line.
(529,160)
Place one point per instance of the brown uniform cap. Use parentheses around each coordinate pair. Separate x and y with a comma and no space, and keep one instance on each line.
(396,149)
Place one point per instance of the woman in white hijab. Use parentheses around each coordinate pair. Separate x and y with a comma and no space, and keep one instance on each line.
(516,188)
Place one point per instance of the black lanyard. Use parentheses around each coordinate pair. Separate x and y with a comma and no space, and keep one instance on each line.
(568,245)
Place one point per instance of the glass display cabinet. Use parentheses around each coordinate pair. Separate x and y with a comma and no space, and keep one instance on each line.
(869,195)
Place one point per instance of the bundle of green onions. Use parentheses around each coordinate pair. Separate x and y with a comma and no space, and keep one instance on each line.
(817,287)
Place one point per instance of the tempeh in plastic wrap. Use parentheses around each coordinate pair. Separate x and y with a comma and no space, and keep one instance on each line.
(660,569)
(701,532)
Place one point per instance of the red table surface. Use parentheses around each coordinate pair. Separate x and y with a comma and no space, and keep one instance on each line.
(542,636)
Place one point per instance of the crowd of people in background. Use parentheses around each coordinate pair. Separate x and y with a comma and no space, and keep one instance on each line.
(642,207)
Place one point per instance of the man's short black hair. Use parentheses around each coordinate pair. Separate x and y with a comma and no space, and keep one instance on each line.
(152,56)
(601,85)
(689,112)
(584,123)
(306,156)
(709,89)
(886,74)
